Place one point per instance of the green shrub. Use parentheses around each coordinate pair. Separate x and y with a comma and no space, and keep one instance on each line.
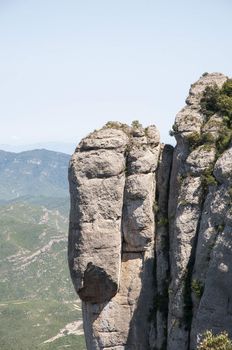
(225,105)
(224,140)
(215,342)
(215,100)
(113,125)
(118,126)
(194,140)
(136,124)
(197,288)
(207,138)
(209,100)
(163,221)
(227,88)
(207,178)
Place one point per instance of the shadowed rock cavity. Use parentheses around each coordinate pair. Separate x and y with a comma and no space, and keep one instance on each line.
(97,285)
(149,239)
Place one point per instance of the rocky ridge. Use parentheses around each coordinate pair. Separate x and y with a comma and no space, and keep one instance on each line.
(150,230)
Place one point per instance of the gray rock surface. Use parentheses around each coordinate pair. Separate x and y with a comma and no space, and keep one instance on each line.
(111,243)
(150,250)
(97,177)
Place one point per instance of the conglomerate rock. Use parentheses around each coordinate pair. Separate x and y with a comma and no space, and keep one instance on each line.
(150,240)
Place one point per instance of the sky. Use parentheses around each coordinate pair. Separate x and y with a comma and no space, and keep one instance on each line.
(68,67)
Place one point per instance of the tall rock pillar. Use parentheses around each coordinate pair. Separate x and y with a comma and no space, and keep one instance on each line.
(112,179)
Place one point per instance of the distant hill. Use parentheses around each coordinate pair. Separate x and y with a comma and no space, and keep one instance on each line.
(33,173)
(38,306)
(33,252)
(64,147)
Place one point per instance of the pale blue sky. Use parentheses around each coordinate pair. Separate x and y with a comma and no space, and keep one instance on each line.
(67,67)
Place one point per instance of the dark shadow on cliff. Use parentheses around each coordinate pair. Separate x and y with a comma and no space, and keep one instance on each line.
(217,295)
(139,329)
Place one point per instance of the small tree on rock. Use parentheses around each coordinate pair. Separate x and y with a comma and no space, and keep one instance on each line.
(210,341)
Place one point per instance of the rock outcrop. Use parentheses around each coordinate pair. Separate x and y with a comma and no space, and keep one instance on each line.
(150,237)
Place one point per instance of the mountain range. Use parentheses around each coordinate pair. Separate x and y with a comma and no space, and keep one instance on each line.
(64,147)
(33,173)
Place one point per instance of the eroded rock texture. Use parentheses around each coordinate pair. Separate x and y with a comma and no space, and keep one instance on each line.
(150,237)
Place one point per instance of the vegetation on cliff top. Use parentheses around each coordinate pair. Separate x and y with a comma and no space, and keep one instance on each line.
(219,101)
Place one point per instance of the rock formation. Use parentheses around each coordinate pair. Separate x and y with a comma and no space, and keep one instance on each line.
(150,230)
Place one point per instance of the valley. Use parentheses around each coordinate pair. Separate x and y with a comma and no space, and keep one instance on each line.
(38,306)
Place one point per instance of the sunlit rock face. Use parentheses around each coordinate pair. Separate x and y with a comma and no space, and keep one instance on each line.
(111,245)
(150,239)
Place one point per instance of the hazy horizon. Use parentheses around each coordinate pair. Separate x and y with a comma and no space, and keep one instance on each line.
(63,147)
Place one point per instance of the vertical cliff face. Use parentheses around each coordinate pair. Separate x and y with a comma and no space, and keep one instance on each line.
(149,243)
(112,224)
